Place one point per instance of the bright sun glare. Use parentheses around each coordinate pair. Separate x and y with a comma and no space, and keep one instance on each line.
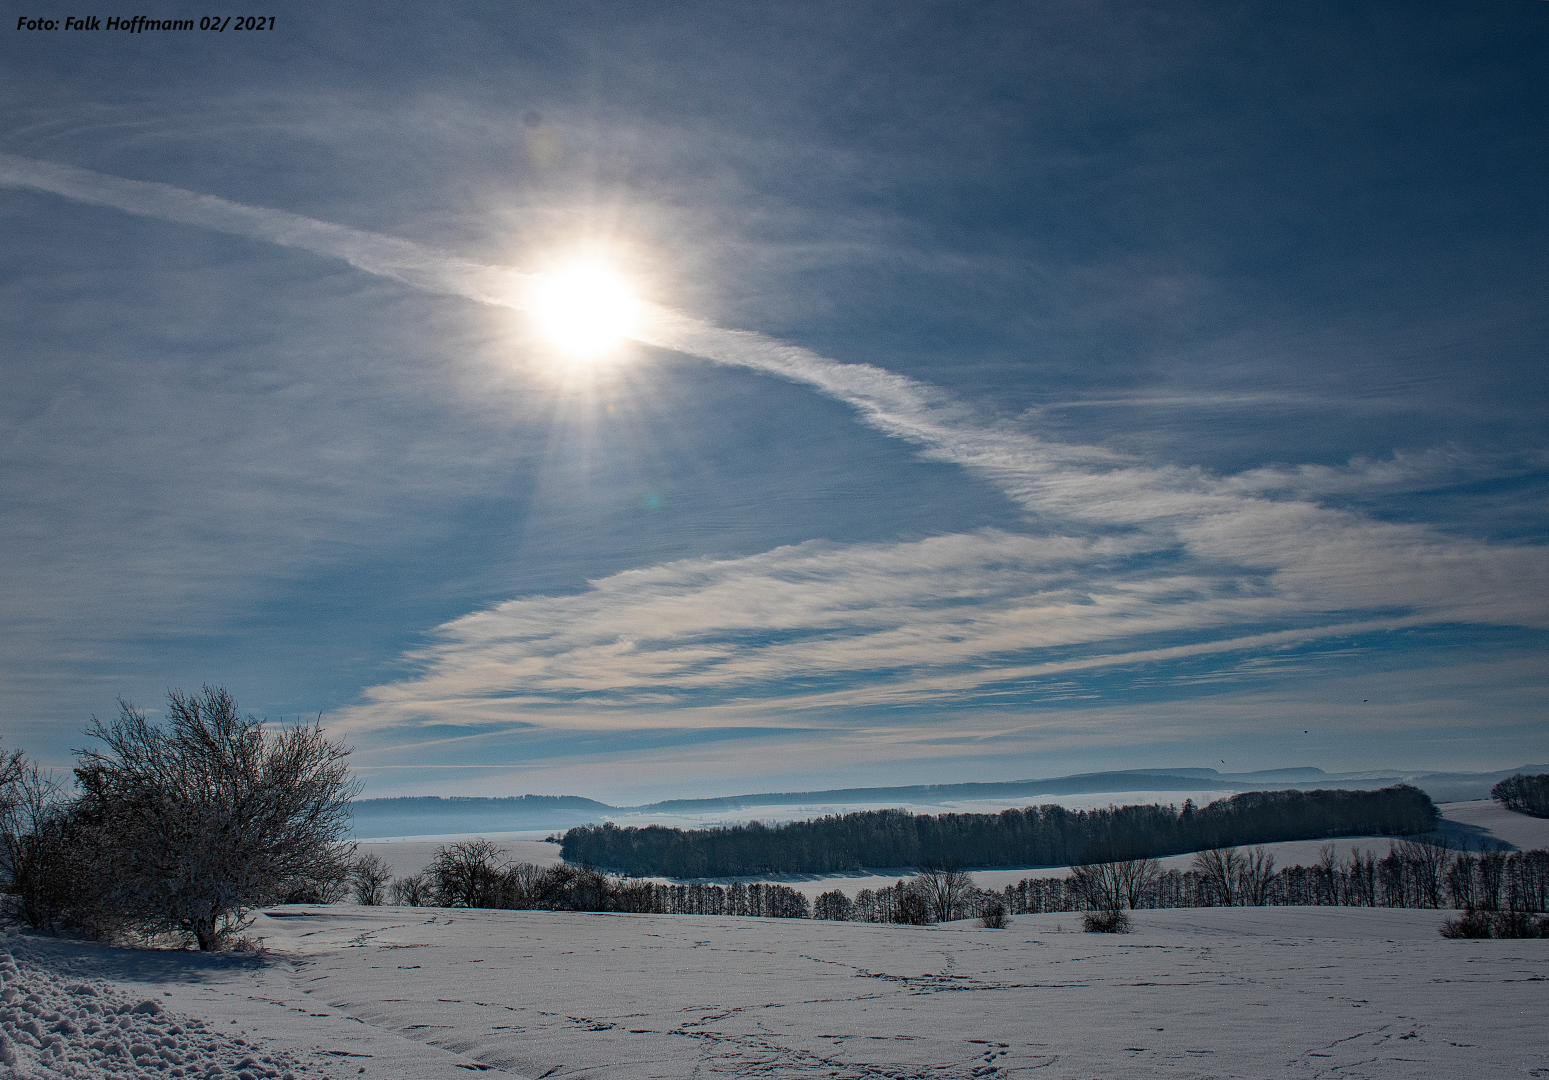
(586,309)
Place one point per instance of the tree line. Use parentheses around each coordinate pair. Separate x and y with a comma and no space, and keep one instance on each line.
(1035,836)
(471,874)
(1524,794)
(1423,872)
(1420,873)
(1498,893)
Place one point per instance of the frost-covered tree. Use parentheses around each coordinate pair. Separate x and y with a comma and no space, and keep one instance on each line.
(208,815)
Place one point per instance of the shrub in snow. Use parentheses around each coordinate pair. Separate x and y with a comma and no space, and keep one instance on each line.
(1470,924)
(1495,924)
(327,885)
(411,891)
(1112,921)
(194,822)
(994,917)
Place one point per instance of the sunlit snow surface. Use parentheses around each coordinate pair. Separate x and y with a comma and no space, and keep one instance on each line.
(1244,992)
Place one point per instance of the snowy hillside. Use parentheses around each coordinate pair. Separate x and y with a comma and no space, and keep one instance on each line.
(1242,992)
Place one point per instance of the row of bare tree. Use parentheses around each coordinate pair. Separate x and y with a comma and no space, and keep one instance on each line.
(1424,872)
(472,874)
(936,893)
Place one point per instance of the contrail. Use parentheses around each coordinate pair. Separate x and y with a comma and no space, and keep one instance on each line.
(386,256)
(892,403)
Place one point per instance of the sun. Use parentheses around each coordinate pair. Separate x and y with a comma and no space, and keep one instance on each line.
(586,309)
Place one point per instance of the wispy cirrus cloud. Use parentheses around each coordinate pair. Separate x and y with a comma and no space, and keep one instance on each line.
(817,628)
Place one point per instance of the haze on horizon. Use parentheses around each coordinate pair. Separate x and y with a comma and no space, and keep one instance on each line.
(1010,393)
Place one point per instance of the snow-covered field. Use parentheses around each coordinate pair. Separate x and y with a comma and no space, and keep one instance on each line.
(352,993)
(368,993)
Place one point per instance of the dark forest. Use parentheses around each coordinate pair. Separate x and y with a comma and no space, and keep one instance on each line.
(1036,836)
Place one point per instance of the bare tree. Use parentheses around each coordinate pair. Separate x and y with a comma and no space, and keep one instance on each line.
(1427,858)
(522,886)
(1461,886)
(943,887)
(369,876)
(1136,876)
(1222,867)
(10,772)
(1492,879)
(411,891)
(912,909)
(211,815)
(466,874)
(43,860)
(1097,884)
(1255,873)
(1110,886)
(1524,794)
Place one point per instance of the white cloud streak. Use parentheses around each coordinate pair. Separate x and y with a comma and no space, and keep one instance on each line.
(386,256)
(1139,550)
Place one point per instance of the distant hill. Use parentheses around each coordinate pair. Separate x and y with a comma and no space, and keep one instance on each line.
(432,815)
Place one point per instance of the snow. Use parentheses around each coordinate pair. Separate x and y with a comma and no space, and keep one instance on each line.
(54,1025)
(1487,820)
(432,993)
(355,993)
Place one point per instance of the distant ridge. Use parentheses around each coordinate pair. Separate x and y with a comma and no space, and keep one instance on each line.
(434,815)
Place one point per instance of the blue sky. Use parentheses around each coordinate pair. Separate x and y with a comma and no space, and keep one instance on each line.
(1022,389)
